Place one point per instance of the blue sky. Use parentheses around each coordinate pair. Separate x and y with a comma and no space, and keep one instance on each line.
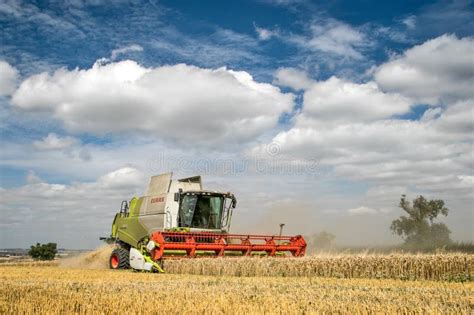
(368,89)
(55,33)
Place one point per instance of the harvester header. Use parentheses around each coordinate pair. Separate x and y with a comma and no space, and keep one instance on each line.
(179,219)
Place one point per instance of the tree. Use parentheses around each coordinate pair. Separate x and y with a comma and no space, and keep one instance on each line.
(43,251)
(418,229)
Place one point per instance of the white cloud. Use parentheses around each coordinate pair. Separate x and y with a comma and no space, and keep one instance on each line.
(32,178)
(264,33)
(458,119)
(381,192)
(394,33)
(29,12)
(89,159)
(362,211)
(431,113)
(124,177)
(390,152)
(113,183)
(310,190)
(445,17)
(50,150)
(180,102)
(293,78)
(8,78)
(70,214)
(353,128)
(337,100)
(124,50)
(439,70)
(326,44)
(55,142)
(338,38)
(468,180)
(410,22)
(119,51)
(223,47)
(283,2)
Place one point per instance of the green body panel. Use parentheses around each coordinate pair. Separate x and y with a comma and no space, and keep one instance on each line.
(135,204)
(127,227)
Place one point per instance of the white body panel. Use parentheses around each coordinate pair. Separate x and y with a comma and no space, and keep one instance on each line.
(158,209)
(137,261)
(159,184)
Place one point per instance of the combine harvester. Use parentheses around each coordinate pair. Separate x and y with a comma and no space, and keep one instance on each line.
(178,219)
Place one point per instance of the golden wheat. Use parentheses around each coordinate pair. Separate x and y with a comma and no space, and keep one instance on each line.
(54,290)
(450,267)
(439,267)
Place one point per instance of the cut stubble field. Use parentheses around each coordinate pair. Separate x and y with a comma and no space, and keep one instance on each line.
(247,285)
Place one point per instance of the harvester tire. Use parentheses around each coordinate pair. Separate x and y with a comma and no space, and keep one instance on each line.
(119,259)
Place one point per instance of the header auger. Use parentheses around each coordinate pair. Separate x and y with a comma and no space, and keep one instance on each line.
(178,219)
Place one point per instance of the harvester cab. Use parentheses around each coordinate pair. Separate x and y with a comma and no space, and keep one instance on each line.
(177,218)
(200,211)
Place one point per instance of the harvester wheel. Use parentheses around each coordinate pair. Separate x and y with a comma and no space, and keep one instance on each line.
(119,259)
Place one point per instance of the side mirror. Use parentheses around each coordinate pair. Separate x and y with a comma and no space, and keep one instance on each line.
(234,202)
(178,194)
(124,207)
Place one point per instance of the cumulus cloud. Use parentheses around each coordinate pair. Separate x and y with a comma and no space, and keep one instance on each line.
(180,102)
(123,177)
(393,152)
(55,142)
(458,119)
(355,129)
(337,100)
(67,211)
(69,147)
(8,78)
(293,78)
(439,70)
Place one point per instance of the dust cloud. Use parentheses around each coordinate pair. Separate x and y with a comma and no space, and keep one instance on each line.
(308,218)
(96,259)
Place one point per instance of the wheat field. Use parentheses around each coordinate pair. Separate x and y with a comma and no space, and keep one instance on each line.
(439,267)
(37,290)
(344,284)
